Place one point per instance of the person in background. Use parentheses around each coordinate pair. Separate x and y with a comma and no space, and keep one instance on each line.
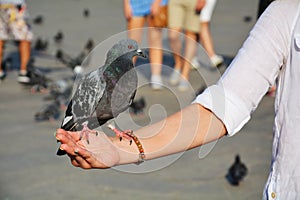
(205,35)
(137,13)
(183,17)
(12,23)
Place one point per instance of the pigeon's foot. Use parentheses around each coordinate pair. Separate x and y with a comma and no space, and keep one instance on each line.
(121,134)
(84,134)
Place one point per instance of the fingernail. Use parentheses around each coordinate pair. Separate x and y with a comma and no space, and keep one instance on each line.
(61,148)
(57,139)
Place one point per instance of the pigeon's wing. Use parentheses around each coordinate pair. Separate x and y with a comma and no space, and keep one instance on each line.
(120,90)
(87,95)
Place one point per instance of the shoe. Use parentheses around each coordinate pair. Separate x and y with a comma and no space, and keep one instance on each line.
(217,60)
(195,63)
(175,77)
(183,85)
(156,82)
(24,77)
(2,75)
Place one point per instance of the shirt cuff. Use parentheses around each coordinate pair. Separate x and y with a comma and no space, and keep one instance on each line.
(227,106)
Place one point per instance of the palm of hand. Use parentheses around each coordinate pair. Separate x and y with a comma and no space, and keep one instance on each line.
(101,148)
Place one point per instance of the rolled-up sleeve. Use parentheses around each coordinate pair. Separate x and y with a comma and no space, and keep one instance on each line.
(251,73)
(226,106)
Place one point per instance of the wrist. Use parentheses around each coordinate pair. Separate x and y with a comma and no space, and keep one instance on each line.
(128,153)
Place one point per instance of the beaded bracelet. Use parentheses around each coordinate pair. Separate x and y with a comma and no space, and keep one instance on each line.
(130,134)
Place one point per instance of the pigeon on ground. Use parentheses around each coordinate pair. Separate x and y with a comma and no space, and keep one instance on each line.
(104,93)
(48,112)
(58,38)
(137,107)
(37,78)
(75,63)
(41,45)
(38,20)
(236,172)
(86,12)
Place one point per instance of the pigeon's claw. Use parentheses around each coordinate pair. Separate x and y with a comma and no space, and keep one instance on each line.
(121,134)
(84,133)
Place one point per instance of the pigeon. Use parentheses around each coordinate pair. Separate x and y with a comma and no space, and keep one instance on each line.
(37,78)
(38,20)
(236,172)
(58,38)
(247,19)
(86,12)
(48,112)
(41,45)
(137,106)
(75,63)
(104,93)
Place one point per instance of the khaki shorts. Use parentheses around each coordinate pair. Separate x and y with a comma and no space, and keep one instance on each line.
(182,15)
(12,23)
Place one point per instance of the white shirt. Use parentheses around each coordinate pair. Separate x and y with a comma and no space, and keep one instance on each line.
(272,51)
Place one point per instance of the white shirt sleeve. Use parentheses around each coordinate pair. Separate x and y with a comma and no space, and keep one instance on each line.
(253,71)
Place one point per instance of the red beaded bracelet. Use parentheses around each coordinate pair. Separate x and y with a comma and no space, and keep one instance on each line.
(136,141)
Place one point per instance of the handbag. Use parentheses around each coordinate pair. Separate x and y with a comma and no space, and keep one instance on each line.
(160,20)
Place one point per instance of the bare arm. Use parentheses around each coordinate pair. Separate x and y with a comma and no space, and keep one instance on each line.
(191,127)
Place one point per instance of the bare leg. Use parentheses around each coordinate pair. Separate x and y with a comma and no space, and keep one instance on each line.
(155,51)
(24,48)
(190,50)
(1,55)
(175,44)
(206,39)
(135,31)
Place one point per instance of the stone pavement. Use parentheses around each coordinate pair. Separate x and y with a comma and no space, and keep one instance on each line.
(31,170)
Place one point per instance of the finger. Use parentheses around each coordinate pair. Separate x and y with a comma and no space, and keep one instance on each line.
(91,159)
(74,152)
(75,135)
(69,148)
(74,162)
(69,134)
(60,132)
(81,161)
(88,160)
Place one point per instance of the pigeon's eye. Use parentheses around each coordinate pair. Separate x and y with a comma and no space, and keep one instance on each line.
(130,46)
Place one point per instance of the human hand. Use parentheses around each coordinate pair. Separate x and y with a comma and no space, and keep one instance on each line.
(98,153)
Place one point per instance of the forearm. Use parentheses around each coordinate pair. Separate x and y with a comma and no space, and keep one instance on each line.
(186,129)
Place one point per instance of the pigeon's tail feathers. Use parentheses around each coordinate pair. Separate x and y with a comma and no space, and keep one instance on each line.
(68,123)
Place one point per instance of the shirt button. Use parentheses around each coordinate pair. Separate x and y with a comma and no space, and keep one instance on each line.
(273,195)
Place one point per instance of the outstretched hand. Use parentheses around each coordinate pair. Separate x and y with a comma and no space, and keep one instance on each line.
(98,153)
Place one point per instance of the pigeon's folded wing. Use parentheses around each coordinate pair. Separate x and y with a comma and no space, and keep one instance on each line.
(88,94)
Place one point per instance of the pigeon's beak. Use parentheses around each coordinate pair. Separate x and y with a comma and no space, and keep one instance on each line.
(141,53)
